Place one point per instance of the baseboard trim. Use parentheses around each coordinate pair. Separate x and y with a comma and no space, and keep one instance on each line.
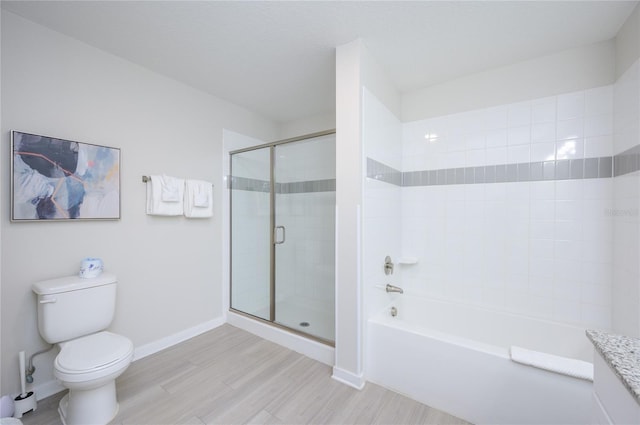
(348,378)
(171,340)
(49,388)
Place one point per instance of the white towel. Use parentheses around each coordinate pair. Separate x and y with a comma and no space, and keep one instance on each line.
(563,365)
(162,192)
(198,199)
(171,189)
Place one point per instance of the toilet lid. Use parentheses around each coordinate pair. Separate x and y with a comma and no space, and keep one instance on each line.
(93,352)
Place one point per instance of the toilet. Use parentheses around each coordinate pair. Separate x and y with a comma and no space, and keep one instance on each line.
(74,312)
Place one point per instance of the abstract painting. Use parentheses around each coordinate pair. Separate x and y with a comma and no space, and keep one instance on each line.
(57,179)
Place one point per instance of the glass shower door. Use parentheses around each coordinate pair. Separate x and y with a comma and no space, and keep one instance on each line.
(251,232)
(304,174)
(282,234)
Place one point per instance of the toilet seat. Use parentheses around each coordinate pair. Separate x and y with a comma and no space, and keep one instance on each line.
(93,356)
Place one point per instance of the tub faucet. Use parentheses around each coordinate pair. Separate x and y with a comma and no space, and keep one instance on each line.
(391,288)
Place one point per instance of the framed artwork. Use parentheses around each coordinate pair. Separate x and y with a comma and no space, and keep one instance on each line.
(58,179)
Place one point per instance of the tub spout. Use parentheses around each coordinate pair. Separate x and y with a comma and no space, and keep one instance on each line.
(391,288)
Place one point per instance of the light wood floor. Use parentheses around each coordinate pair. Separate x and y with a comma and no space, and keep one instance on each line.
(229,376)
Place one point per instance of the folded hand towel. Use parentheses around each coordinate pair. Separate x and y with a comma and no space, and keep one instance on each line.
(161,192)
(171,189)
(563,365)
(198,199)
(202,196)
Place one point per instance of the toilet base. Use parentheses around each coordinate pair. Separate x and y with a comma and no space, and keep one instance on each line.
(96,406)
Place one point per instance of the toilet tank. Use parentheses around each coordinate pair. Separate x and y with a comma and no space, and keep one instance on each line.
(70,307)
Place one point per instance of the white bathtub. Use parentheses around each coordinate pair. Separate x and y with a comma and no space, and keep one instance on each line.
(456,358)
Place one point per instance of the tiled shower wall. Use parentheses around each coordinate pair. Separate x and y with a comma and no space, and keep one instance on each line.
(511,207)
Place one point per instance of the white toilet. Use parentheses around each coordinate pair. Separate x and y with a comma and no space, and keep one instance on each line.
(73,313)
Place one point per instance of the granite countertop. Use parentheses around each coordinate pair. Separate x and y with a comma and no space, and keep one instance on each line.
(622,354)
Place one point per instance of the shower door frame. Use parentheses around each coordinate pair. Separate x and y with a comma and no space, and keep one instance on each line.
(272,235)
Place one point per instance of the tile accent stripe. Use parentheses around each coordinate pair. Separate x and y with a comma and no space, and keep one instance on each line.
(257,185)
(327,185)
(244,183)
(563,169)
(627,162)
(379,171)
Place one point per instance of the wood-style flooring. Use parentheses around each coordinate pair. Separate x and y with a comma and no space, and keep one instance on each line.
(229,376)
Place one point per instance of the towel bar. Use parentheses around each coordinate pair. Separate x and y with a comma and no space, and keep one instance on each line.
(147,179)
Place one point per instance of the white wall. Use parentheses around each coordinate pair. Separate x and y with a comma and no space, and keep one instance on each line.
(570,70)
(379,85)
(348,353)
(626,272)
(627,43)
(307,125)
(56,86)
(626,217)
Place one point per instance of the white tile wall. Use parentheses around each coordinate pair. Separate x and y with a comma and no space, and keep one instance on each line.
(574,125)
(536,248)
(381,235)
(305,263)
(566,250)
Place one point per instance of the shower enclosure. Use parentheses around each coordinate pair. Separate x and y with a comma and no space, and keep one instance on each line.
(282,234)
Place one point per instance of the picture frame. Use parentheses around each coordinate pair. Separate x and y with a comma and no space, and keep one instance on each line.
(55,179)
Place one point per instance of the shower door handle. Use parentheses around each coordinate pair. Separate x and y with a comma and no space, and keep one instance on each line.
(275,235)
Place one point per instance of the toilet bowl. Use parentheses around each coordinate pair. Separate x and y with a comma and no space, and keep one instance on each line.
(88,367)
(74,313)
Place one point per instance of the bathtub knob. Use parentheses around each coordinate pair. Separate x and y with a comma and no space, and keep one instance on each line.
(388,265)
(391,288)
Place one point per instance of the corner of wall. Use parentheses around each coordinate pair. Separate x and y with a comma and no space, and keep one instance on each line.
(308,125)
(627,43)
(379,84)
(348,378)
(571,70)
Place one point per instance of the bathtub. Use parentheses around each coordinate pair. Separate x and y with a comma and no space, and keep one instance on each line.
(455,358)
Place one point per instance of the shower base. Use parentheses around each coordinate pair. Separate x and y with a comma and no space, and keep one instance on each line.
(316,350)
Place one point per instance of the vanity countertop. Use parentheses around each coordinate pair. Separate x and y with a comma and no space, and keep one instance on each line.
(622,354)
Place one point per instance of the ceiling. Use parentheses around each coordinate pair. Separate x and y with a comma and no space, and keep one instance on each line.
(277,58)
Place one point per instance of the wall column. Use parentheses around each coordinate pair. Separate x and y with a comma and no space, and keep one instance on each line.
(348,361)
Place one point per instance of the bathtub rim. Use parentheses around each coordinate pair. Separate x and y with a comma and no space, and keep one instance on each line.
(383,317)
